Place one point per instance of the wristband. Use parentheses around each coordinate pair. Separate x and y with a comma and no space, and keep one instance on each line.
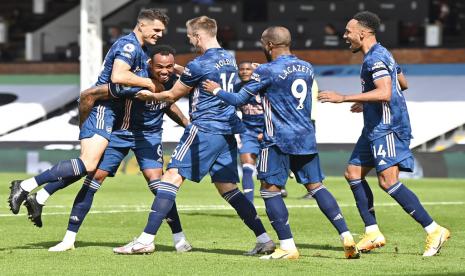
(216,90)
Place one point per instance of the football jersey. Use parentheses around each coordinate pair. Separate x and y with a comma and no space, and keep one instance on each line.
(207,112)
(141,118)
(252,111)
(382,118)
(285,86)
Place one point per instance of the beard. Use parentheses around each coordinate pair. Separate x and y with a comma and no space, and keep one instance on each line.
(267,55)
(355,50)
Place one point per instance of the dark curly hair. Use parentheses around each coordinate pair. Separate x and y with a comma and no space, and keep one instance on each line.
(153,14)
(368,20)
(164,50)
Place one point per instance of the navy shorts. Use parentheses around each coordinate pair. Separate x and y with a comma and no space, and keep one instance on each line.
(274,165)
(382,153)
(199,153)
(148,151)
(100,122)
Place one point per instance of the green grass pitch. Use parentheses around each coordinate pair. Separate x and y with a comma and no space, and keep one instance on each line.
(219,238)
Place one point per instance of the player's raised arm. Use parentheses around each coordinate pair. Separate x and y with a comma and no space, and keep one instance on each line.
(122,74)
(177,116)
(175,93)
(234,99)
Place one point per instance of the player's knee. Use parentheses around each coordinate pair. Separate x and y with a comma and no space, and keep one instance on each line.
(351,174)
(100,176)
(172,176)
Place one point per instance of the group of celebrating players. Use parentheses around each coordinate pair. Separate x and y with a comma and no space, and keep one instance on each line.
(124,111)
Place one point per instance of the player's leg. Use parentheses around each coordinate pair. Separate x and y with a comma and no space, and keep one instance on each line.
(273,170)
(149,154)
(360,163)
(224,175)
(308,171)
(94,136)
(108,166)
(185,163)
(399,157)
(248,168)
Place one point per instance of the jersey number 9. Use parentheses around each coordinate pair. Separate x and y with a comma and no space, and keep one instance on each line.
(299,85)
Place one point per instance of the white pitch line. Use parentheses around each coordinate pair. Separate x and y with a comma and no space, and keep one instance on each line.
(146,208)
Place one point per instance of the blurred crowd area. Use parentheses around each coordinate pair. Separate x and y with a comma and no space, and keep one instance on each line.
(317,24)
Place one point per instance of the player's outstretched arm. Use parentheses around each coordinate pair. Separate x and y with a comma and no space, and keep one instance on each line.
(87,99)
(382,93)
(122,74)
(177,116)
(178,69)
(175,93)
(234,99)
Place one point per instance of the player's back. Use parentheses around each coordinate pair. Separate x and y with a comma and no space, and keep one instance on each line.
(287,102)
(381,118)
(207,112)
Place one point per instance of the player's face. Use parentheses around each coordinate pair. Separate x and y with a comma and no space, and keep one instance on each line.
(353,35)
(151,30)
(193,38)
(163,67)
(245,71)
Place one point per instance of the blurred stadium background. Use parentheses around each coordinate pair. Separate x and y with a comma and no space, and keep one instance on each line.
(52,49)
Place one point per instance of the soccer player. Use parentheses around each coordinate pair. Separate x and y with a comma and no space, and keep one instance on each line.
(252,118)
(126,57)
(385,139)
(139,128)
(284,85)
(208,144)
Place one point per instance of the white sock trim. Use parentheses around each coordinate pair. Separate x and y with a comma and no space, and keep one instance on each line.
(29,184)
(345,234)
(177,237)
(371,228)
(42,196)
(287,244)
(430,228)
(263,238)
(145,238)
(70,237)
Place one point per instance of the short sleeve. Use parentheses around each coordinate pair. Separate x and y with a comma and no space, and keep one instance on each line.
(192,74)
(259,80)
(378,69)
(126,51)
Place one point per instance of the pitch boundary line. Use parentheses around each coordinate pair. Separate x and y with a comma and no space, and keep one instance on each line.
(146,208)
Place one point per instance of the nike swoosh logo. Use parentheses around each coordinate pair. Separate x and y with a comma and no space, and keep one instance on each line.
(439,244)
(282,257)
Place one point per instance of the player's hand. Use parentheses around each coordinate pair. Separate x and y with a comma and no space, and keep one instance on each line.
(255,65)
(209,86)
(260,137)
(152,86)
(328,96)
(144,95)
(356,108)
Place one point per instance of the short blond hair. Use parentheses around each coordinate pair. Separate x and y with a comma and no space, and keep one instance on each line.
(204,23)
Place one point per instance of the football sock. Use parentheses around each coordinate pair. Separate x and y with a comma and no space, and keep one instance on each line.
(55,186)
(277,213)
(330,208)
(364,200)
(42,196)
(29,184)
(177,237)
(247,181)
(172,218)
(431,228)
(82,204)
(410,203)
(64,169)
(245,210)
(70,237)
(162,204)
(287,244)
